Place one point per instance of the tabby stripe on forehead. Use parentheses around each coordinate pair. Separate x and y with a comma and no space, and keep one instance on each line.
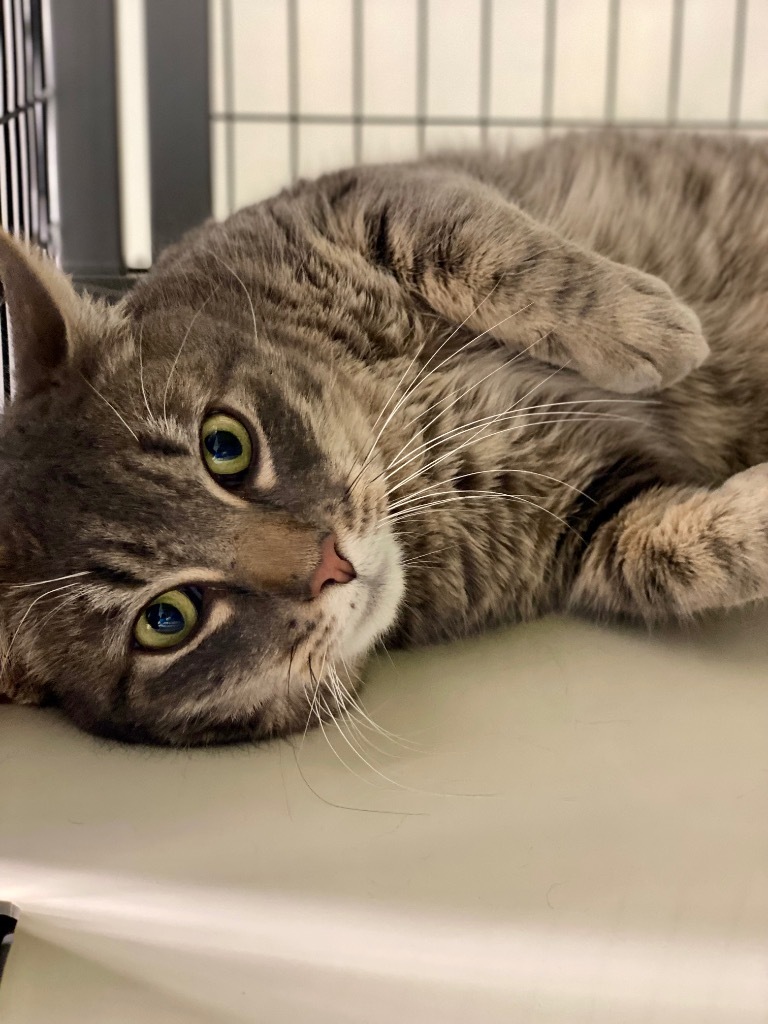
(119,577)
(162,446)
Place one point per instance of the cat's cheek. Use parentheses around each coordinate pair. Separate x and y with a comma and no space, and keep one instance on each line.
(367,608)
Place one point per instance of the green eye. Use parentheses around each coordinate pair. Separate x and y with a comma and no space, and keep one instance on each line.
(227,447)
(167,621)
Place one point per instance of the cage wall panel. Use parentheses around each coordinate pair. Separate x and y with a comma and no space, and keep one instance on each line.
(389,57)
(450,136)
(220,198)
(410,75)
(453,65)
(644,43)
(324,56)
(325,147)
(754,93)
(261,160)
(517,35)
(384,142)
(580,58)
(707,59)
(257,38)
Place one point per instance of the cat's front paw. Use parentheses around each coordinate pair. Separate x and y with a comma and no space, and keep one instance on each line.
(650,338)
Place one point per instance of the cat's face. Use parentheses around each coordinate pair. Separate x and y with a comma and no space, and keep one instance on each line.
(214,474)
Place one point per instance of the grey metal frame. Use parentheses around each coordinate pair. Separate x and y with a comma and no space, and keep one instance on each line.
(179,118)
(83,38)
(87,130)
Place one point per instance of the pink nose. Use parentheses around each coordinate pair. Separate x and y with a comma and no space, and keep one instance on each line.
(332,569)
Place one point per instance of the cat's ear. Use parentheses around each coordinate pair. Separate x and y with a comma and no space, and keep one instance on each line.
(39,298)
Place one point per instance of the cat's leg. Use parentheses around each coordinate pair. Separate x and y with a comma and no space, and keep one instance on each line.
(476,258)
(674,551)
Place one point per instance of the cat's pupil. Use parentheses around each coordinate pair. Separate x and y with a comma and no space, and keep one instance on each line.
(165,618)
(223,445)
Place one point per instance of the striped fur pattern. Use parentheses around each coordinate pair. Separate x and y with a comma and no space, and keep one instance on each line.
(506,384)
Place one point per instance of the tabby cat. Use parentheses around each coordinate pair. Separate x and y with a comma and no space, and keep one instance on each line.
(397,404)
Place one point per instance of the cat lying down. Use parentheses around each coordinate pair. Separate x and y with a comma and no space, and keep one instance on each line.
(397,405)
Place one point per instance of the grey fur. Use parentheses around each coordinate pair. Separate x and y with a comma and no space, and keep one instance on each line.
(528,329)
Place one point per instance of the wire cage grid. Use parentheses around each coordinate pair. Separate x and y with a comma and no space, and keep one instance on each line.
(25,187)
(298,86)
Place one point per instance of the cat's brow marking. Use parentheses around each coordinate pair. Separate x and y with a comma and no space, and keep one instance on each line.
(118,577)
(158,445)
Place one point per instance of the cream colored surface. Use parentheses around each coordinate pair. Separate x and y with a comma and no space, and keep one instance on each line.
(608,861)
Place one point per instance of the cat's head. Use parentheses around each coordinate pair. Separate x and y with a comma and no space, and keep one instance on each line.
(187,552)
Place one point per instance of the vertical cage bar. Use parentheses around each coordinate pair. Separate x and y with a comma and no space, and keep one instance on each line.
(4,106)
(18,53)
(486,57)
(9,66)
(358,50)
(5,351)
(229,99)
(132,79)
(34,188)
(422,73)
(5,367)
(293,88)
(12,164)
(612,60)
(737,63)
(548,85)
(25,206)
(47,133)
(675,61)
(5,217)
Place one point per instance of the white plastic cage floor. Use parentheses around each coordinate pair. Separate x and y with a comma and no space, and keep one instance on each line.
(608,864)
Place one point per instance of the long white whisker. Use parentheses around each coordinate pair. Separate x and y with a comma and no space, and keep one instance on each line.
(55,610)
(347,706)
(141,373)
(420,380)
(382,775)
(54,579)
(354,704)
(503,365)
(479,436)
(181,347)
(239,280)
(408,499)
(411,513)
(514,405)
(114,410)
(508,411)
(40,597)
(355,747)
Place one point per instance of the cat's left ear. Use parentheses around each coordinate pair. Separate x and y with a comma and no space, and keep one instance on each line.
(40,302)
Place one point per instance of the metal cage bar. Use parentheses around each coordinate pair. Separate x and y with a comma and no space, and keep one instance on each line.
(24,117)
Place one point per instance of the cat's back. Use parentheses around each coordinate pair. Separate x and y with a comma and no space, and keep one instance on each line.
(688,208)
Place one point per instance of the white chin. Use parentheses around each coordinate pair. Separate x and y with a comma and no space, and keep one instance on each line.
(375,594)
